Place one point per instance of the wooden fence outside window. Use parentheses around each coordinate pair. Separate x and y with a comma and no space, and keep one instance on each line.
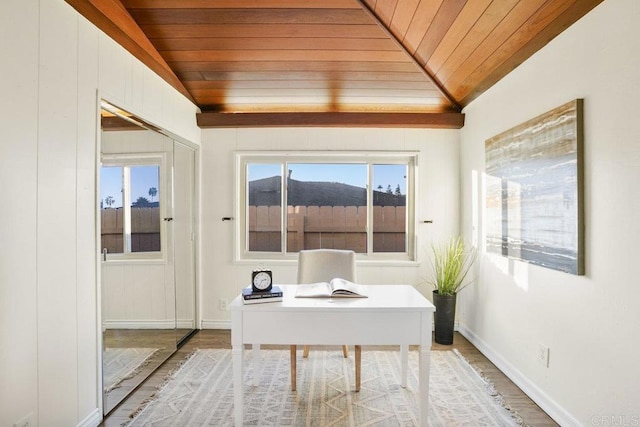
(328,227)
(145,229)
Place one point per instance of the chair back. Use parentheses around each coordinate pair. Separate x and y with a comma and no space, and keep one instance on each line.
(322,265)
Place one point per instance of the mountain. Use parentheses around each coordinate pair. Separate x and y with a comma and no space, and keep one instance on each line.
(266,192)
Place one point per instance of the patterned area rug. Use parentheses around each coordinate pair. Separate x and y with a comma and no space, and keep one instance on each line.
(200,392)
(123,363)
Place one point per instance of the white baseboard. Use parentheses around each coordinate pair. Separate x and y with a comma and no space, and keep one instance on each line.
(185,324)
(551,407)
(92,420)
(149,324)
(215,324)
(139,324)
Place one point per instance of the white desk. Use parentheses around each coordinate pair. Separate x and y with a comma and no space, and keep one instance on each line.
(392,315)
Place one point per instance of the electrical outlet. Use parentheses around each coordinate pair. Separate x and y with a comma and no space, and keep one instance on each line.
(25,422)
(543,355)
(223,303)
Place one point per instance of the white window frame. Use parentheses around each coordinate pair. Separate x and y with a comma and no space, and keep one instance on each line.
(243,158)
(127,161)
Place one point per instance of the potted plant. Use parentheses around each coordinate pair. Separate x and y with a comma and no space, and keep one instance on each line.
(452,262)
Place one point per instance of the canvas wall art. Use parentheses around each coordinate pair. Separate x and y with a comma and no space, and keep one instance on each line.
(534,186)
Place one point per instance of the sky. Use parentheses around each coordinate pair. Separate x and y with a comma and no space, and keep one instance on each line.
(352,174)
(145,177)
(142,178)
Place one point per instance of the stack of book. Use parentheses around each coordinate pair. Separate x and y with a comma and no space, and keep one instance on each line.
(249,297)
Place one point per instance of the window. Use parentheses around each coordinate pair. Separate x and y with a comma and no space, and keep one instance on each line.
(130,199)
(294,201)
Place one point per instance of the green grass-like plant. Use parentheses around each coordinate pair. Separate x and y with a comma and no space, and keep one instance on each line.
(451,265)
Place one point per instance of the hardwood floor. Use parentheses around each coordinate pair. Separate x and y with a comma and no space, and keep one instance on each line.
(513,396)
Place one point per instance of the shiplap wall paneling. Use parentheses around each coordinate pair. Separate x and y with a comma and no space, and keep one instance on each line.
(56,254)
(18,171)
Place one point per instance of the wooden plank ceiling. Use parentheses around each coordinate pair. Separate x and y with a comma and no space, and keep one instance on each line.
(333,62)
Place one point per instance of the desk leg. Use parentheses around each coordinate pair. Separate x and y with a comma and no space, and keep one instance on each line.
(358,353)
(237,385)
(404,356)
(425,360)
(257,364)
(424,363)
(293,374)
(237,349)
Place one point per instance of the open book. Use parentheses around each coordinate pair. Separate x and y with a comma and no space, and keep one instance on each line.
(336,288)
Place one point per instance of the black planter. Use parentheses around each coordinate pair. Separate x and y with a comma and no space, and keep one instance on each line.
(444,317)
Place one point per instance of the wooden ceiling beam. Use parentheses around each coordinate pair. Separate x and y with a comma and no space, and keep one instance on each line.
(445,120)
(116,123)
(455,104)
(112,17)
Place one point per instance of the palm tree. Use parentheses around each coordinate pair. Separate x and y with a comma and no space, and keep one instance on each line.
(152,192)
(109,201)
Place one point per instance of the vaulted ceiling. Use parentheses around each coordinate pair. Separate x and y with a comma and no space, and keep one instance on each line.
(332,62)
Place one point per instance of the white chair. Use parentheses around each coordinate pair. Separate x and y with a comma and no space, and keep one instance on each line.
(322,265)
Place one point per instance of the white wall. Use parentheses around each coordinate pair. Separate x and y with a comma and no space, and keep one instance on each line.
(590,323)
(437,200)
(54,62)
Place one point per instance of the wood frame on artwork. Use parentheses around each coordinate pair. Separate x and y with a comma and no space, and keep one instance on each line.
(534,190)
